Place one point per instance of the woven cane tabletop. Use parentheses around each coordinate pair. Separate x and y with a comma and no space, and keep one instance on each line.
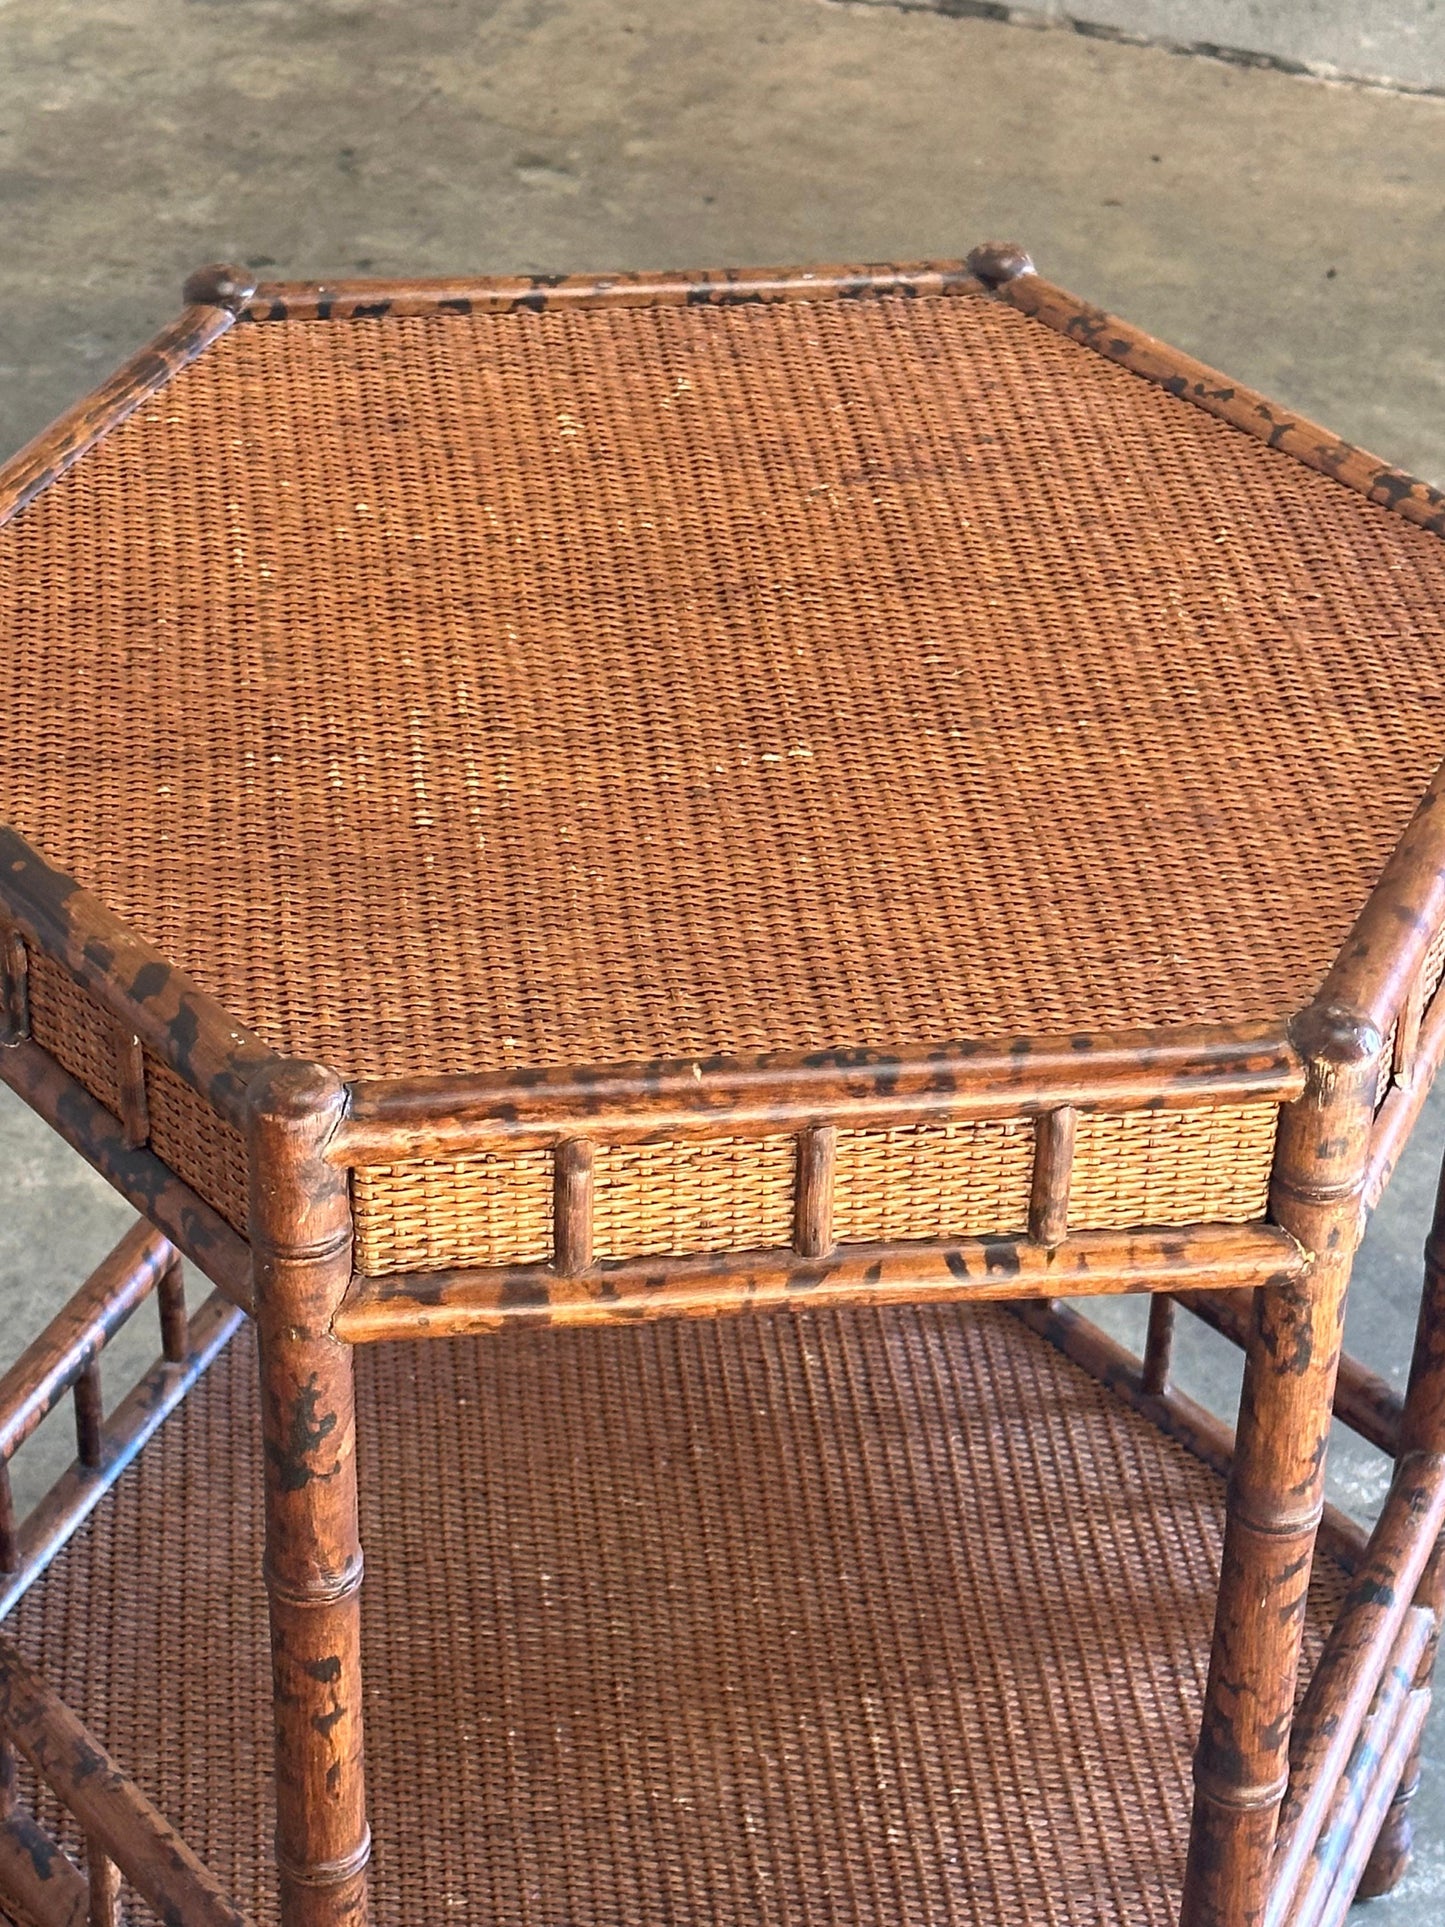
(473,691)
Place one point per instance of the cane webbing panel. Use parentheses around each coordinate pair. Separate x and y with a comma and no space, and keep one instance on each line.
(724,1194)
(74,1029)
(864,1620)
(932,1181)
(455,1211)
(1172,1167)
(920,1181)
(452,693)
(203,1150)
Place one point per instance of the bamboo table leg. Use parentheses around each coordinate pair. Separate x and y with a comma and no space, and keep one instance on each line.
(1276,1486)
(301,1238)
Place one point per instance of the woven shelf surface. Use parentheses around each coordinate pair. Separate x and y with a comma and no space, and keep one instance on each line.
(455,693)
(878,1619)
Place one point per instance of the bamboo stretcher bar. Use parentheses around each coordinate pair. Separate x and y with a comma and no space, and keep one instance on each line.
(37,1879)
(113,1811)
(1356,1850)
(451,1302)
(1172,1411)
(77,1492)
(1311,1881)
(1357,1653)
(49,1366)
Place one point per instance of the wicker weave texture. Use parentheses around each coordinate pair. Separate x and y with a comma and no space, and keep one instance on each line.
(955,1180)
(72,1027)
(460,693)
(866,1620)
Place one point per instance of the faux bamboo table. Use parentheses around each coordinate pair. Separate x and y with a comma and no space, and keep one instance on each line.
(850,795)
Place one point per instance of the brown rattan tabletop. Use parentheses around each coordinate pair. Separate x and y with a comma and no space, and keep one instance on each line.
(540,803)
(461,692)
(555,676)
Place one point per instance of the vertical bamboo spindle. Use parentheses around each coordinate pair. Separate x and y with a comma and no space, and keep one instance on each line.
(1158,1345)
(301,1242)
(1276,1486)
(131,1078)
(14,988)
(1407,1031)
(89,1415)
(1422,1429)
(1054,1133)
(104,1881)
(572,1194)
(813,1191)
(9,1550)
(175,1321)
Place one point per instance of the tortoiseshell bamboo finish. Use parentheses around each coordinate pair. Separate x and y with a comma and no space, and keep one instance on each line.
(1277,1480)
(301,1246)
(297,1135)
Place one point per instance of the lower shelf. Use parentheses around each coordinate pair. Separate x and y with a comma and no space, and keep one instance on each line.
(855,1618)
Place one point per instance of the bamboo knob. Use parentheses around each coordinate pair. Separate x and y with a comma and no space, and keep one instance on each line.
(998,261)
(220,284)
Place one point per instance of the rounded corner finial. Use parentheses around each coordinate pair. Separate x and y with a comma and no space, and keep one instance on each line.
(293,1089)
(995,262)
(1334,1035)
(220,284)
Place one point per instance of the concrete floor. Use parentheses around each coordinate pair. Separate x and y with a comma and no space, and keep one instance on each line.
(1284,229)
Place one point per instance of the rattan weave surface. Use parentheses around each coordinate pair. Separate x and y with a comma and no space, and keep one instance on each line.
(877,1619)
(453,693)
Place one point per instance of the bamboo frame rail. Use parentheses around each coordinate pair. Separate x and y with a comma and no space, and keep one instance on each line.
(449,1303)
(351,300)
(1404,1101)
(54,449)
(1009,272)
(51,1365)
(149,997)
(120,1823)
(443,1117)
(63,1359)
